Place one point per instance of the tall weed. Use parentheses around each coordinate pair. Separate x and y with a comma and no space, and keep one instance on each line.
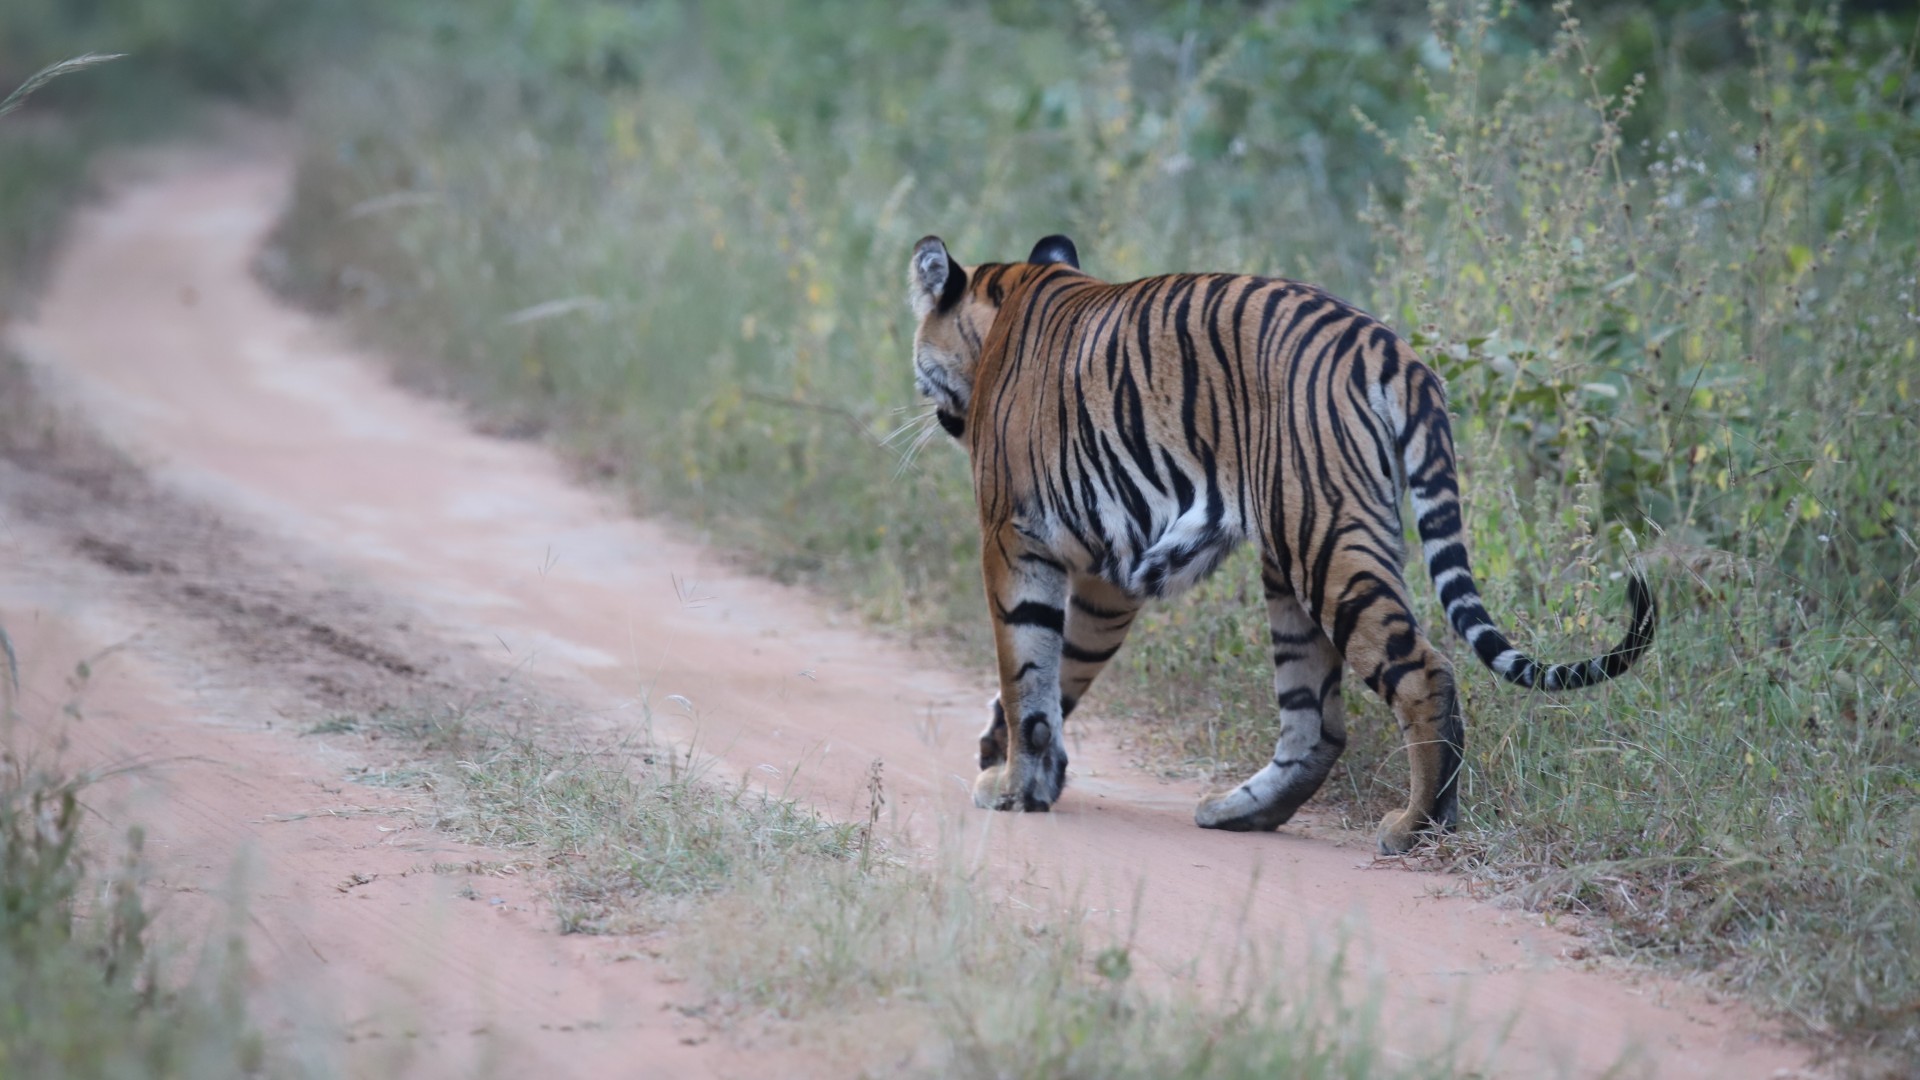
(82,990)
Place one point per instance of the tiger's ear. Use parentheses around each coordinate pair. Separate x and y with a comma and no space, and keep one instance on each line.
(1055,249)
(934,281)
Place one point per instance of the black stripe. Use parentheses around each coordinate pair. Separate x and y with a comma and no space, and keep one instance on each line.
(1299,698)
(1035,557)
(1034,613)
(954,288)
(1099,612)
(1458,586)
(1346,617)
(1442,520)
(1390,678)
(1451,557)
(1490,645)
(1086,656)
(1330,685)
(1470,614)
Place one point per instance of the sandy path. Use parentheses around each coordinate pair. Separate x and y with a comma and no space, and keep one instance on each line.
(155,326)
(367,961)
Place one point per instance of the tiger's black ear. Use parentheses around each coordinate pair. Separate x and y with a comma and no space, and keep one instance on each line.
(934,281)
(1055,249)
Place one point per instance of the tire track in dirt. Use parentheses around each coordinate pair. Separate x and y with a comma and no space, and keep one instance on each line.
(378,944)
(155,328)
(182,655)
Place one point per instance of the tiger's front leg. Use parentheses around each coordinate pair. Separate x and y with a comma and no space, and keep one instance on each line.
(1098,615)
(1026,590)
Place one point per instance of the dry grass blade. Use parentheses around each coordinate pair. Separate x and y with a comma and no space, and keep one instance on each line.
(13,665)
(47,74)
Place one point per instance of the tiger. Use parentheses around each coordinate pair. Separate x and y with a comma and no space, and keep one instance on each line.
(1125,438)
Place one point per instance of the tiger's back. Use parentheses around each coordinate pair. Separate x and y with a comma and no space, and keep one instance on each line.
(1157,424)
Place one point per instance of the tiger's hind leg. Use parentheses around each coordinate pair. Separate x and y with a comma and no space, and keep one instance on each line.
(1099,614)
(1375,630)
(1313,732)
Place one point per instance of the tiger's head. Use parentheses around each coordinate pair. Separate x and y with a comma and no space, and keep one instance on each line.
(956,308)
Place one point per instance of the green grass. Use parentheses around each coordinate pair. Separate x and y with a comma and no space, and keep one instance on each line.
(628,827)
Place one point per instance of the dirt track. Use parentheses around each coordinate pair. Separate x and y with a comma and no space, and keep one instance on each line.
(438,543)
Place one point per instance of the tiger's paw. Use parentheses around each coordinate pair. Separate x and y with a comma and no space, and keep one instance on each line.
(1403,830)
(993,789)
(1002,788)
(1238,811)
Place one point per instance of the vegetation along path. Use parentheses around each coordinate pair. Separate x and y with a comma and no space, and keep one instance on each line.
(156,330)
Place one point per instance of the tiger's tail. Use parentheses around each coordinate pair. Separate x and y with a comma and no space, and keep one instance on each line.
(1426,451)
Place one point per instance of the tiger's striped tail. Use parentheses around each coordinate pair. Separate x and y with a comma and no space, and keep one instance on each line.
(1426,451)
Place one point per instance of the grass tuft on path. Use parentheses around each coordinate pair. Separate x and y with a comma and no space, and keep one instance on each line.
(921,968)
